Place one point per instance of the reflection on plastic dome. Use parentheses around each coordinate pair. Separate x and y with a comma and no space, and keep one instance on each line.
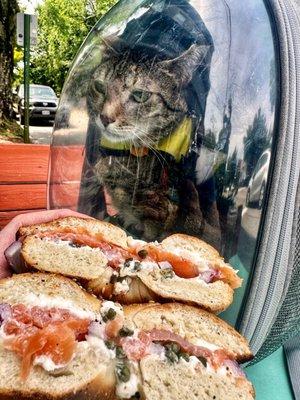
(167,110)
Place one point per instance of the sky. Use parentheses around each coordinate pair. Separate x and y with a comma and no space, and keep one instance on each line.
(30,5)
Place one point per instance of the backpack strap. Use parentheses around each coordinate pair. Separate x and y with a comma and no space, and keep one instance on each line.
(292,353)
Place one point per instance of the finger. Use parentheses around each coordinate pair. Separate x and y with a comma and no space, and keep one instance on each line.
(40,217)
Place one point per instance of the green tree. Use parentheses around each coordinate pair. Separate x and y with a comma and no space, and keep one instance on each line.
(232,169)
(210,140)
(8,10)
(18,66)
(256,141)
(63,25)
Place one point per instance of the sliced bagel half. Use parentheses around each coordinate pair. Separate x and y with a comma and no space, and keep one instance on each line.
(110,265)
(168,352)
(25,300)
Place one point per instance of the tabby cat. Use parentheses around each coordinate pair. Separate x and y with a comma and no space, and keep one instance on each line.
(136,102)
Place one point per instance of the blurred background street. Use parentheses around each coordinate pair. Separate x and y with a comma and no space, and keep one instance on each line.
(40,132)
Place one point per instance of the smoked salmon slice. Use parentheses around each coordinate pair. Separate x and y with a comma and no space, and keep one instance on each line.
(36,331)
(138,347)
(182,267)
(117,255)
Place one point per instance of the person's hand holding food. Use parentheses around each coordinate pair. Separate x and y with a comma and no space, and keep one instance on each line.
(8,233)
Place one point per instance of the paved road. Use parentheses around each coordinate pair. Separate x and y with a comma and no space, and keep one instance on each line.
(41,132)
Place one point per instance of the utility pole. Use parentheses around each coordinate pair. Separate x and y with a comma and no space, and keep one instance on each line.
(26,75)
(26,37)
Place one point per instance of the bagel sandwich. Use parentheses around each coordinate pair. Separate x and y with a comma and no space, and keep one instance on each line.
(119,268)
(59,342)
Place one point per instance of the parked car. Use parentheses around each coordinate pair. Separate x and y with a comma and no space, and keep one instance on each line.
(258,182)
(43,103)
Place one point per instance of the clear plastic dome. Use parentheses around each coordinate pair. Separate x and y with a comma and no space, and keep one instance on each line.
(166,123)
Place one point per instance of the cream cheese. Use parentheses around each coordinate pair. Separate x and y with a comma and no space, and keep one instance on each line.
(93,343)
(122,287)
(99,347)
(67,243)
(57,241)
(192,363)
(202,264)
(47,363)
(130,270)
(135,242)
(221,371)
(125,390)
(207,345)
(157,350)
(44,301)
(150,266)
(3,336)
(106,305)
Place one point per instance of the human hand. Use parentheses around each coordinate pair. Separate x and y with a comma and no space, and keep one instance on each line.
(8,233)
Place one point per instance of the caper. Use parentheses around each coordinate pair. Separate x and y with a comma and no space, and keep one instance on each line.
(174,347)
(122,372)
(120,352)
(185,356)
(110,344)
(172,352)
(109,315)
(167,273)
(136,396)
(71,244)
(203,361)
(113,279)
(123,332)
(137,266)
(171,356)
(127,262)
(143,253)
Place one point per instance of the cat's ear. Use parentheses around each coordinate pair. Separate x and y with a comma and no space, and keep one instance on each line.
(113,46)
(184,66)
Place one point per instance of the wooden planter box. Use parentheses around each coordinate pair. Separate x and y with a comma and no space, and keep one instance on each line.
(23,179)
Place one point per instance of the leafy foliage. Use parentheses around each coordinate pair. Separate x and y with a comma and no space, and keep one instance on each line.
(8,10)
(63,25)
(18,66)
(10,131)
(257,140)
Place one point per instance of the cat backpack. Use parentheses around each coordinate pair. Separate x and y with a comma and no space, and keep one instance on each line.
(183,116)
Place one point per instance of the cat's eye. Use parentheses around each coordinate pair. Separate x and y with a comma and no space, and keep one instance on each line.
(99,86)
(141,96)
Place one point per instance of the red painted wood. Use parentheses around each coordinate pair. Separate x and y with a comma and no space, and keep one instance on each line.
(24,163)
(22,197)
(66,163)
(24,173)
(65,194)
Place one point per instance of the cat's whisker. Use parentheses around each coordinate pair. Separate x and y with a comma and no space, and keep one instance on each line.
(136,181)
(158,155)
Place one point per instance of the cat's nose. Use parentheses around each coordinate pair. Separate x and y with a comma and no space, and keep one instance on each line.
(106,120)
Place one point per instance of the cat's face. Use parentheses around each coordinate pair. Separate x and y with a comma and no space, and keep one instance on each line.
(141,102)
